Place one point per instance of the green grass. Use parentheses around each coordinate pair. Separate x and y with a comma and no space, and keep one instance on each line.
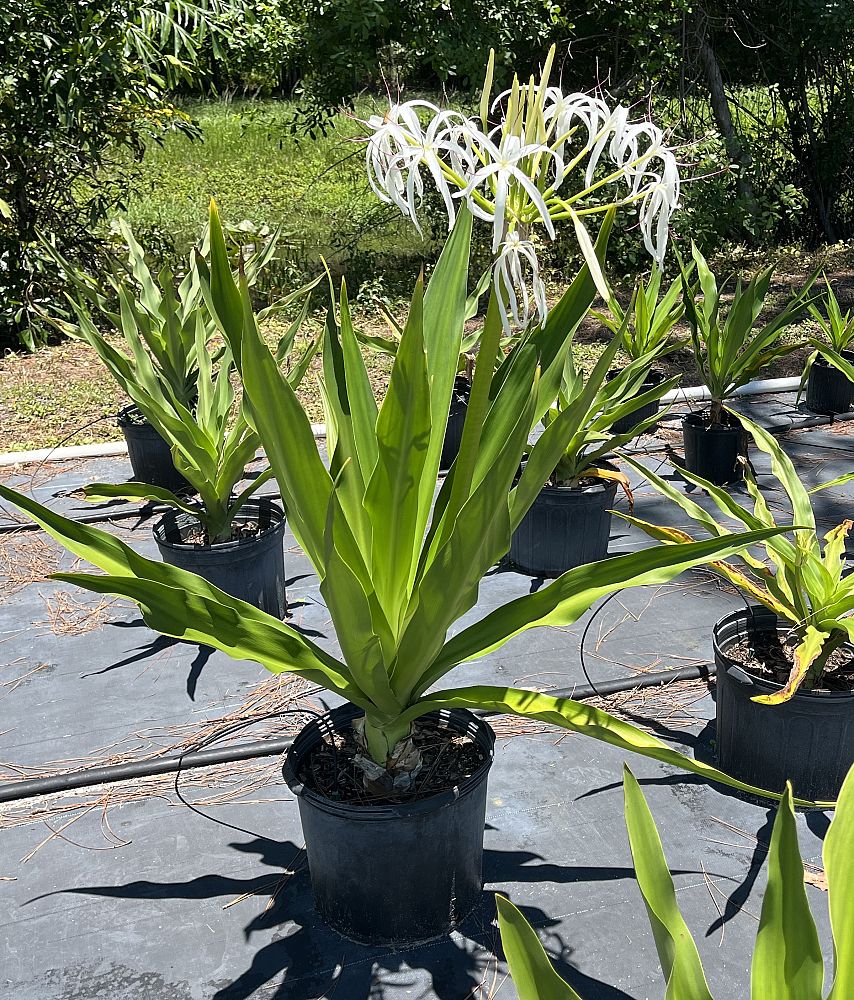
(316,190)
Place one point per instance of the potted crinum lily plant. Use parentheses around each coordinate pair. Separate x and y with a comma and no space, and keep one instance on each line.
(569,522)
(157,318)
(645,327)
(394,846)
(179,381)
(829,369)
(785,663)
(731,347)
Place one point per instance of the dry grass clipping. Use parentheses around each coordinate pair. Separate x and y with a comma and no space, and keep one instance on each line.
(25,558)
(68,615)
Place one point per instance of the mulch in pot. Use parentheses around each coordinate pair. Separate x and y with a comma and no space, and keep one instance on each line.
(771,657)
(447,760)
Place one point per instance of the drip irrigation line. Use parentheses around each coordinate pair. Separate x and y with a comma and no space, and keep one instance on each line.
(14,791)
(121,514)
(215,737)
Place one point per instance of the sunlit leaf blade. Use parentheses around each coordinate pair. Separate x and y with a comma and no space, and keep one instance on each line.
(449,584)
(838,855)
(564,600)
(392,496)
(531,970)
(359,634)
(98,492)
(444,319)
(184,605)
(677,952)
(225,294)
(291,449)
(583,719)
(787,960)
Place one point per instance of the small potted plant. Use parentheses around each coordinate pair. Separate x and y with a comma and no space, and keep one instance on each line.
(157,318)
(231,540)
(785,664)
(646,327)
(730,351)
(787,956)
(829,370)
(569,522)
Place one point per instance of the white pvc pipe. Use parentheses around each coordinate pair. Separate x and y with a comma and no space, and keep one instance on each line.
(698,393)
(102,449)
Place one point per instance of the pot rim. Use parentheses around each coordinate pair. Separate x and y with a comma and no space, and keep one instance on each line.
(761,682)
(171,519)
(601,485)
(696,420)
(123,417)
(336,718)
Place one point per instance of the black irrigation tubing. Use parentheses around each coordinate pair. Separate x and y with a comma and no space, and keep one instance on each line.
(15,791)
(103,516)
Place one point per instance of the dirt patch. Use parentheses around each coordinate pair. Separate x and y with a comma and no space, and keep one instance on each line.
(63,395)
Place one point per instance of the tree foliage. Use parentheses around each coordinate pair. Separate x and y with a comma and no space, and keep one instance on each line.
(83,87)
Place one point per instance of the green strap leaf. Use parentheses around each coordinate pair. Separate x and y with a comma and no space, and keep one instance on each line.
(341,385)
(224,293)
(392,498)
(184,605)
(530,968)
(283,426)
(99,492)
(362,637)
(583,719)
(677,952)
(787,960)
(838,854)
(564,600)
(197,616)
(449,584)
(444,320)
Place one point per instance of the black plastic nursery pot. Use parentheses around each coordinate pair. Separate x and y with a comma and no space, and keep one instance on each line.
(394,874)
(251,568)
(828,389)
(808,740)
(566,526)
(626,423)
(713,452)
(150,457)
(456,420)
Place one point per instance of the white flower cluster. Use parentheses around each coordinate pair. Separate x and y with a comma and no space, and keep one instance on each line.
(517,175)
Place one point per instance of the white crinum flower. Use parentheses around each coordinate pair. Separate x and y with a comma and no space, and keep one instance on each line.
(516,257)
(400,146)
(499,170)
(519,175)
